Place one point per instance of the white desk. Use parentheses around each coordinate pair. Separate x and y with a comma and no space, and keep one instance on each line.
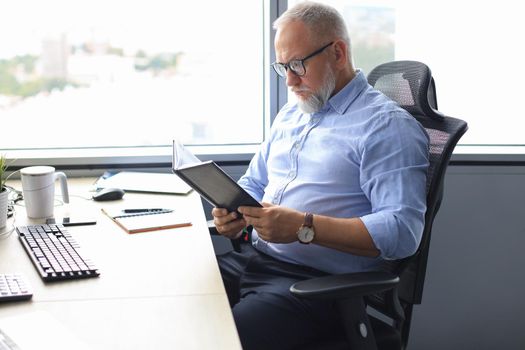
(156,290)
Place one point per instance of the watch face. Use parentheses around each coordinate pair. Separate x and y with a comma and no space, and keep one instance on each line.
(305,234)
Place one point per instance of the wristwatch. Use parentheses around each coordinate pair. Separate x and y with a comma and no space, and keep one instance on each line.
(306,232)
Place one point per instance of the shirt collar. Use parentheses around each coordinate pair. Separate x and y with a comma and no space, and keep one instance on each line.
(344,98)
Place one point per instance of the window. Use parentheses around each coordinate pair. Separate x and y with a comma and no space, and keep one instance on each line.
(474,52)
(107,74)
(100,73)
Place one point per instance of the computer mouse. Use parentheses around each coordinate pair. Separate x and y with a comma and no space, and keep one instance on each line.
(109,194)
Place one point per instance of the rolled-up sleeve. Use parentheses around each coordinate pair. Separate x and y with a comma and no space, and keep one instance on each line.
(393,176)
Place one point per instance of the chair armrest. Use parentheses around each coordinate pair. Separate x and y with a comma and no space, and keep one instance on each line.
(212,228)
(345,285)
(236,243)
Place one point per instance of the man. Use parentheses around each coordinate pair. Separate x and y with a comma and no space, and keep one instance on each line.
(342,179)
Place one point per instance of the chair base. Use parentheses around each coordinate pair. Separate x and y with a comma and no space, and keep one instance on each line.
(386,336)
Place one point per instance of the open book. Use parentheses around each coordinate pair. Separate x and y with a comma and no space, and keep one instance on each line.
(144,222)
(214,185)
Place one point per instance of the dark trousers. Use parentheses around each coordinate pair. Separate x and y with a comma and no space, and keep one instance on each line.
(266,314)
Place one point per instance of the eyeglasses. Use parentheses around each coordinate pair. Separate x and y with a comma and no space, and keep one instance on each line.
(296,66)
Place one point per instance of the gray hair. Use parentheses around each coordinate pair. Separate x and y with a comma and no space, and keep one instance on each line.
(323,21)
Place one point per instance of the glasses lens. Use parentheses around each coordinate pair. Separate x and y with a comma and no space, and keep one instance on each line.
(279,69)
(297,67)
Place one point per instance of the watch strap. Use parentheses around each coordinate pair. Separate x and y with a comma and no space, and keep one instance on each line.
(308,220)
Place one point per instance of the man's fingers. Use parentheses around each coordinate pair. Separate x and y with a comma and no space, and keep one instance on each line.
(219,212)
(227,217)
(250,211)
(254,221)
(231,227)
(254,211)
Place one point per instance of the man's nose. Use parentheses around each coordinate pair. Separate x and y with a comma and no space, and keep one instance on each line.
(292,79)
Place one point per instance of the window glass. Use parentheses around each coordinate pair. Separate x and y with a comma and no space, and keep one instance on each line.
(104,73)
(371,27)
(474,51)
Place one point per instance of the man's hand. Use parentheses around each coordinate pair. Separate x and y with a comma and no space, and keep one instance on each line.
(273,223)
(227,224)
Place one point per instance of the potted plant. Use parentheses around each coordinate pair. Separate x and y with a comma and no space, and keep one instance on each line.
(3,191)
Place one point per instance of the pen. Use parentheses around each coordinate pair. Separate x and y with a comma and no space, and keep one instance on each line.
(152,210)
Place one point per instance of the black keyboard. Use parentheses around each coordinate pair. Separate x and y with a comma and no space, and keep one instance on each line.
(55,254)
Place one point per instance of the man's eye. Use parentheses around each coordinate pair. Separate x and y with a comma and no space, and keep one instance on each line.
(295,65)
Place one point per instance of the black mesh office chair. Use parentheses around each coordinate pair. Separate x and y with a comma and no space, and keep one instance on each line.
(394,293)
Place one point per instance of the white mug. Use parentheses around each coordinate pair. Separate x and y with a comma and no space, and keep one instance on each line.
(38,186)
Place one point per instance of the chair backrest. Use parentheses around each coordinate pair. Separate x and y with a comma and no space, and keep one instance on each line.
(412,86)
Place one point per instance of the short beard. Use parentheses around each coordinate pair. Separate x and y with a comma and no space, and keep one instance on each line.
(315,102)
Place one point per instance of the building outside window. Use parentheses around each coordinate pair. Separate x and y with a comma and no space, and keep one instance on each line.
(139,73)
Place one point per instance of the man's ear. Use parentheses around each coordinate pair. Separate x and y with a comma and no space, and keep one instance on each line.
(341,53)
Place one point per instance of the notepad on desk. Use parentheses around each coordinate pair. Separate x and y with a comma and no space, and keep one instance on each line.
(147,221)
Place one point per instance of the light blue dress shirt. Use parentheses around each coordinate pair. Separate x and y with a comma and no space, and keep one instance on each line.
(360,156)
